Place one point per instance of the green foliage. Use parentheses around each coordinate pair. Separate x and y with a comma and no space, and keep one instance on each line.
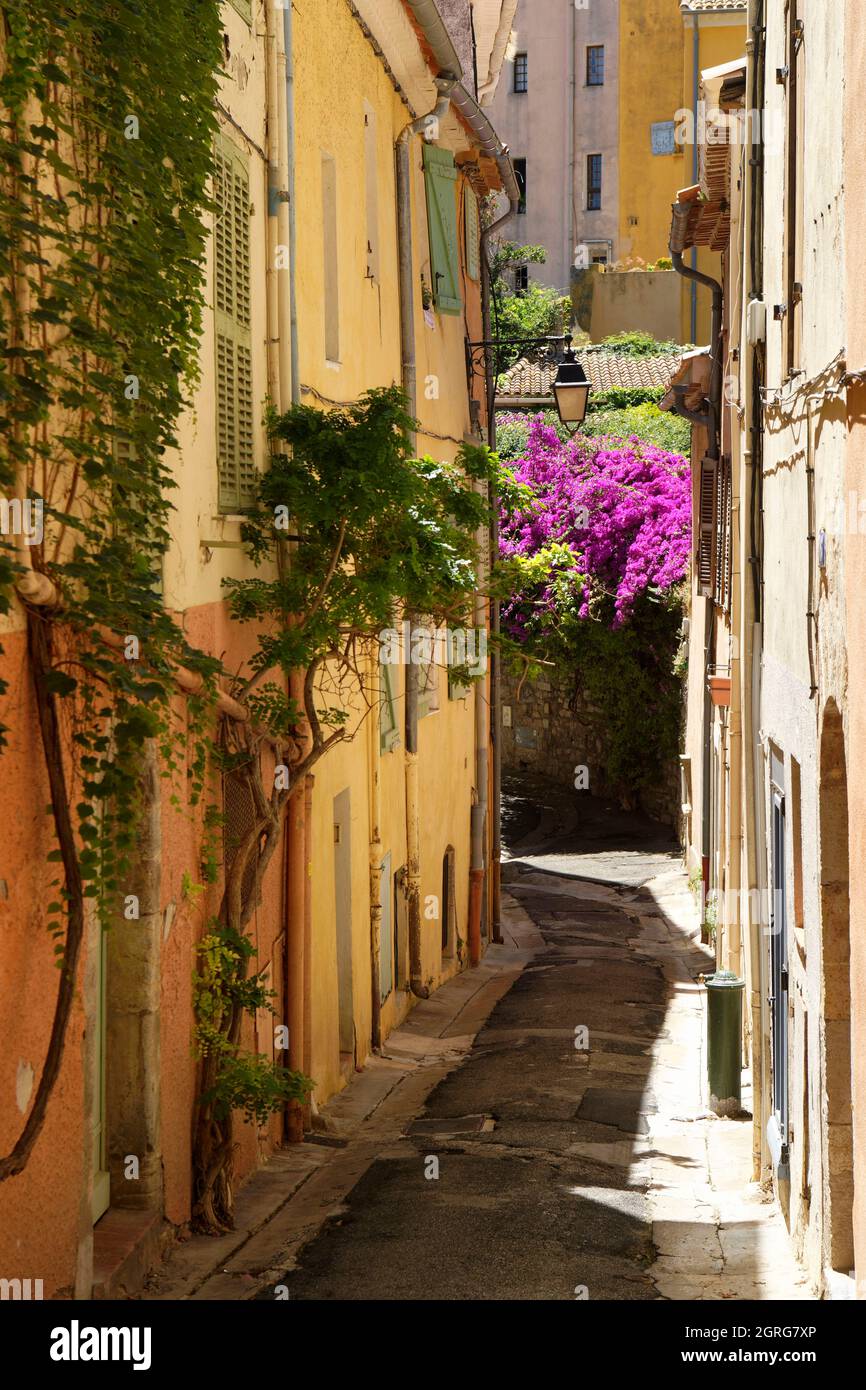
(106,128)
(623,397)
(625,676)
(537,312)
(639,344)
(222,990)
(643,419)
(647,422)
(374,529)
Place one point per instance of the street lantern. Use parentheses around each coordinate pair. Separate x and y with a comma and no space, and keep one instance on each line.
(571,390)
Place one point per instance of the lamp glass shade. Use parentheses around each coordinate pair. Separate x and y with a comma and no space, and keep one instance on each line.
(571,391)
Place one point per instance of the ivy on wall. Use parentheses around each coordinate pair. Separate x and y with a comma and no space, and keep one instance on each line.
(106,132)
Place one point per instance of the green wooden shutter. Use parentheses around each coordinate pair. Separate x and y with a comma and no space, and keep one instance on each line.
(234,376)
(473,235)
(389,732)
(440,174)
(244,9)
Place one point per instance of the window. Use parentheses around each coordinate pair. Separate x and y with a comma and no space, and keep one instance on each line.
(520,174)
(595,65)
(521,72)
(440,177)
(234,374)
(371,172)
(331,296)
(521,278)
(593,182)
(472,231)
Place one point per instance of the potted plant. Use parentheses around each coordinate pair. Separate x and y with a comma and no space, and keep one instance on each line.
(719,683)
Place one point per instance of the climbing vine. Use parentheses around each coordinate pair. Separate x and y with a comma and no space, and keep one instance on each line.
(349,531)
(106,131)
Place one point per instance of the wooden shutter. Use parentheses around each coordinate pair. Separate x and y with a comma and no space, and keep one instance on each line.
(244,9)
(724,536)
(706,553)
(440,180)
(389,732)
(473,235)
(234,376)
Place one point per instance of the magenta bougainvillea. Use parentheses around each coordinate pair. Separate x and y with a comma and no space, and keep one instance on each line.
(612,516)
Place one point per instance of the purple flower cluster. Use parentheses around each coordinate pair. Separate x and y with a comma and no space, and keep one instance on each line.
(623,508)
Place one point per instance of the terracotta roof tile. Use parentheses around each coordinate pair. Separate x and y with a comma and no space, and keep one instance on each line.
(605,370)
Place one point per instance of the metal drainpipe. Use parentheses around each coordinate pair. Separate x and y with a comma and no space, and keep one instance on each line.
(409,376)
(495,702)
(713,451)
(298,884)
(289,46)
(696,88)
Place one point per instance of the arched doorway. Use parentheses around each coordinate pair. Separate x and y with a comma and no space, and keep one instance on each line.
(837,1125)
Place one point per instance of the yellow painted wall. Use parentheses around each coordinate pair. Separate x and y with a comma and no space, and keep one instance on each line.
(721,39)
(657,65)
(650,90)
(330,104)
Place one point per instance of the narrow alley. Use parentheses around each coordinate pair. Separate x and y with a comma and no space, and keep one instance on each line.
(563,1150)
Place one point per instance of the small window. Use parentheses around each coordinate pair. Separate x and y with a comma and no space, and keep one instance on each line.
(593,182)
(521,278)
(595,65)
(520,174)
(521,72)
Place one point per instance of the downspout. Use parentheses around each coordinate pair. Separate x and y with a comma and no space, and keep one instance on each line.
(289,52)
(495,677)
(375,863)
(754,770)
(479,810)
(696,89)
(498,51)
(409,377)
(284,375)
(714,404)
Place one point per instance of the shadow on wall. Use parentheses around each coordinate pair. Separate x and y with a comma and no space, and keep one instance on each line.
(626,301)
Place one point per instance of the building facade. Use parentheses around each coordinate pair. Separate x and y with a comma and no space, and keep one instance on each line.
(767,802)
(602,155)
(346,254)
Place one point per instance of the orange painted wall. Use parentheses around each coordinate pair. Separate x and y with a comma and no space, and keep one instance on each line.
(32,1245)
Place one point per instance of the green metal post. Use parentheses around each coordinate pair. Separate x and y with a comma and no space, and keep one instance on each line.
(724,1034)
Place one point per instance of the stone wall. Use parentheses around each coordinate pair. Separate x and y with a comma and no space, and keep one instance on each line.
(551,729)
